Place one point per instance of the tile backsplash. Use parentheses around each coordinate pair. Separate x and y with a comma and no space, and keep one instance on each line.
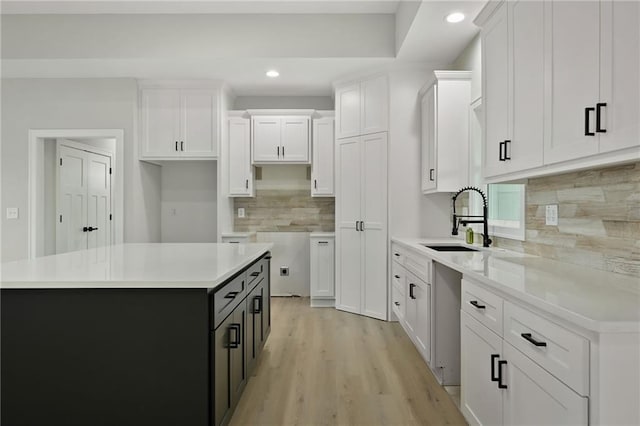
(285,210)
(599,219)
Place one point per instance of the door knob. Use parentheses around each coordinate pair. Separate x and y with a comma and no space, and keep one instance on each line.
(89,229)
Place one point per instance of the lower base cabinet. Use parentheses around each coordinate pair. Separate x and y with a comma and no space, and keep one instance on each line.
(236,343)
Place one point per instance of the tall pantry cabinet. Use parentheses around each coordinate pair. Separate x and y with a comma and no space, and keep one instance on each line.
(361,197)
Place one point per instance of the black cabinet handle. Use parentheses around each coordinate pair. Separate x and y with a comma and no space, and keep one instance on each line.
(255,274)
(494,378)
(257,309)
(500,154)
(362,225)
(176,145)
(586,121)
(231,295)
(235,342)
(283,152)
(506,144)
(599,107)
(397,303)
(411,286)
(477,305)
(323,242)
(246,184)
(357,222)
(500,364)
(181,145)
(278,152)
(431,174)
(315,184)
(528,338)
(396,254)
(397,276)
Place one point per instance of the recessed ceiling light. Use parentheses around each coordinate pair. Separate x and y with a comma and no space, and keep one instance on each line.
(455,17)
(272,73)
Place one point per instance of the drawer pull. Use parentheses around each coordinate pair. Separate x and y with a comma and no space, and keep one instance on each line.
(411,286)
(397,276)
(257,308)
(397,303)
(255,274)
(396,254)
(528,338)
(477,305)
(235,342)
(493,367)
(231,295)
(500,364)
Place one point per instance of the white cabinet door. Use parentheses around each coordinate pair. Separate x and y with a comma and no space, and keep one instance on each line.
(573,61)
(428,145)
(160,122)
(322,158)
(535,397)
(495,62)
(348,111)
(422,294)
(348,213)
(374,105)
(524,149)
(480,350)
(294,143)
(619,75)
(266,139)
(374,218)
(322,267)
(198,123)
(240,169)
(411,307)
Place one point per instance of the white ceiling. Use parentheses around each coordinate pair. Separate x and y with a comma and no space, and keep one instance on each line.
(312,43)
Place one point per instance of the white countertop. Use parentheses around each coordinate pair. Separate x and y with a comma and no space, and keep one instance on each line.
(592,299)
(134,266)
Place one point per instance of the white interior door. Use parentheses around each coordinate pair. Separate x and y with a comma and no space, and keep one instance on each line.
(374,217)
(71,199)
(295,139)
(98,200)
(573,58)
(266,139)
(348,212)
(198,124)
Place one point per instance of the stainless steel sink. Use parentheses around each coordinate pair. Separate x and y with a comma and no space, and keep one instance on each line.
(449,248)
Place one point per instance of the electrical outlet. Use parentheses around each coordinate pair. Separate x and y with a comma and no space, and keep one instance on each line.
(284,271)
(12,213)
(551,216)
(240,211)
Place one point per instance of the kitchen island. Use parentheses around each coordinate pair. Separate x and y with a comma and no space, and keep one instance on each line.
(132,334)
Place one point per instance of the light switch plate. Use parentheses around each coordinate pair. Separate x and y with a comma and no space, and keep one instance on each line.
(240,211)
(551,216)
(12,212)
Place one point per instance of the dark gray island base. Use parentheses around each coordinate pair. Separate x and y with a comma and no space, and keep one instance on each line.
(131,356)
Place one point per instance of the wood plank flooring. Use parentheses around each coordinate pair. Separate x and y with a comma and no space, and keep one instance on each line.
(321,366)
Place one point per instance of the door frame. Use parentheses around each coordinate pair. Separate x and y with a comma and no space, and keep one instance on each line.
(90,149)
(37,139)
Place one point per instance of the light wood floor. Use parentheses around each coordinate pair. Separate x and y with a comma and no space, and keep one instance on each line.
(321,366)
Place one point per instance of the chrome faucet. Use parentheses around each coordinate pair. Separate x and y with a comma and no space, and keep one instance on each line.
(464,220)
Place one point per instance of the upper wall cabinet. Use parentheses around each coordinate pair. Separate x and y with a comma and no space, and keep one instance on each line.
(561,86)
(240,169)
(178,124)
(445,132)
(362,108)
(322,158)
(280,139)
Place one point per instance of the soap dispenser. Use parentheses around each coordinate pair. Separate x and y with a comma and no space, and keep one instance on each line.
(469,236)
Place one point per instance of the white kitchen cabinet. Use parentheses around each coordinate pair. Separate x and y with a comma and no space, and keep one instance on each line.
(418,303)
(514,84)
(179,124)
(240,169)
(361,225)
(445,132)
(281,139)
(322,268)
(322,159)
(362,108)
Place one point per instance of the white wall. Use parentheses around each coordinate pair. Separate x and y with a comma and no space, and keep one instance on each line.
(284,102)
(68,104)
(284,177)
(225,203)
(471,60)
(189,202)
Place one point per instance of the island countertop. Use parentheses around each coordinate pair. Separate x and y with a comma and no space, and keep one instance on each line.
(160,265)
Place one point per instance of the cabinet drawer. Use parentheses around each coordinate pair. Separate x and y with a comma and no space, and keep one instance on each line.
(226,298)
(397,300)
(398,276)
(556,349)
(397,254)
(255,273)
(420,266)
(482,305)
